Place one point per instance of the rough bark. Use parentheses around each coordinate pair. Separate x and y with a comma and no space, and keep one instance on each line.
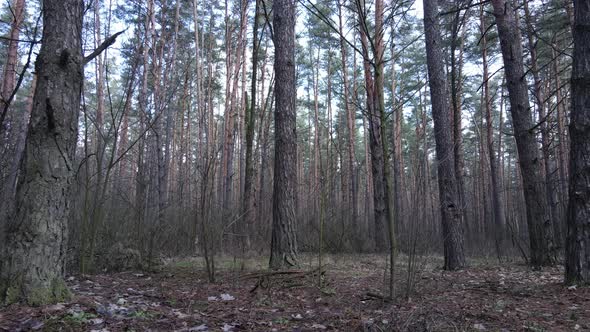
(577,264)
(284,242)
(32,266)
(447,182)
(538,219)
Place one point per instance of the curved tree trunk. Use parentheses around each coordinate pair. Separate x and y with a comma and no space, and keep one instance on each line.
(33,261)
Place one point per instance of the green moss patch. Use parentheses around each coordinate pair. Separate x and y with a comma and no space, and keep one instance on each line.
(35,295)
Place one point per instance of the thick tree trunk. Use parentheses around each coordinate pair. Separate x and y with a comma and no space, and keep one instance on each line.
(538,219)
(32,266)
(284,242)
(447,182)
(577,264)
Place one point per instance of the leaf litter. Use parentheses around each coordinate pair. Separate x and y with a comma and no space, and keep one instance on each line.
(485,297)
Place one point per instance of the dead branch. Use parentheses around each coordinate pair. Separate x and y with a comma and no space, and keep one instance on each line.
(105,44)
(375,296)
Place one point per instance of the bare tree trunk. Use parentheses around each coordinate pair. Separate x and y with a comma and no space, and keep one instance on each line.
(561,133)
(8,203)
(231,114)
(538,219)
(577,264)
(228,118)
(379,53)
(17,8)
(399,184)
(142,175)
(496,185)
(544,118)
(90,229)
(284,242)
(10,145)
(315,175)
(375,141)
(456,99)
(350,121)
(123,172)
(447,181)
(32,265)
(249,203)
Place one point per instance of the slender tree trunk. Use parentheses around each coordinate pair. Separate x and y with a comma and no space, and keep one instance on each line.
(496,185)
(123,170)
(10,131)
(399,185)
(561,132)
(32,265)
(538,219)
(379,53)
(577,264)
(284,242)
(17,8)
(142,179)
(315,175)
(229,120)
(375,141)
(249,203)
(544,118)
(447,181)
(350,121)
(457,103)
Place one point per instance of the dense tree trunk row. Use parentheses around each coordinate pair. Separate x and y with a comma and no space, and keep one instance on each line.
(379,141)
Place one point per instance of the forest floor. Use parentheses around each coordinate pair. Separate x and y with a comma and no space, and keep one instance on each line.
(487,296)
